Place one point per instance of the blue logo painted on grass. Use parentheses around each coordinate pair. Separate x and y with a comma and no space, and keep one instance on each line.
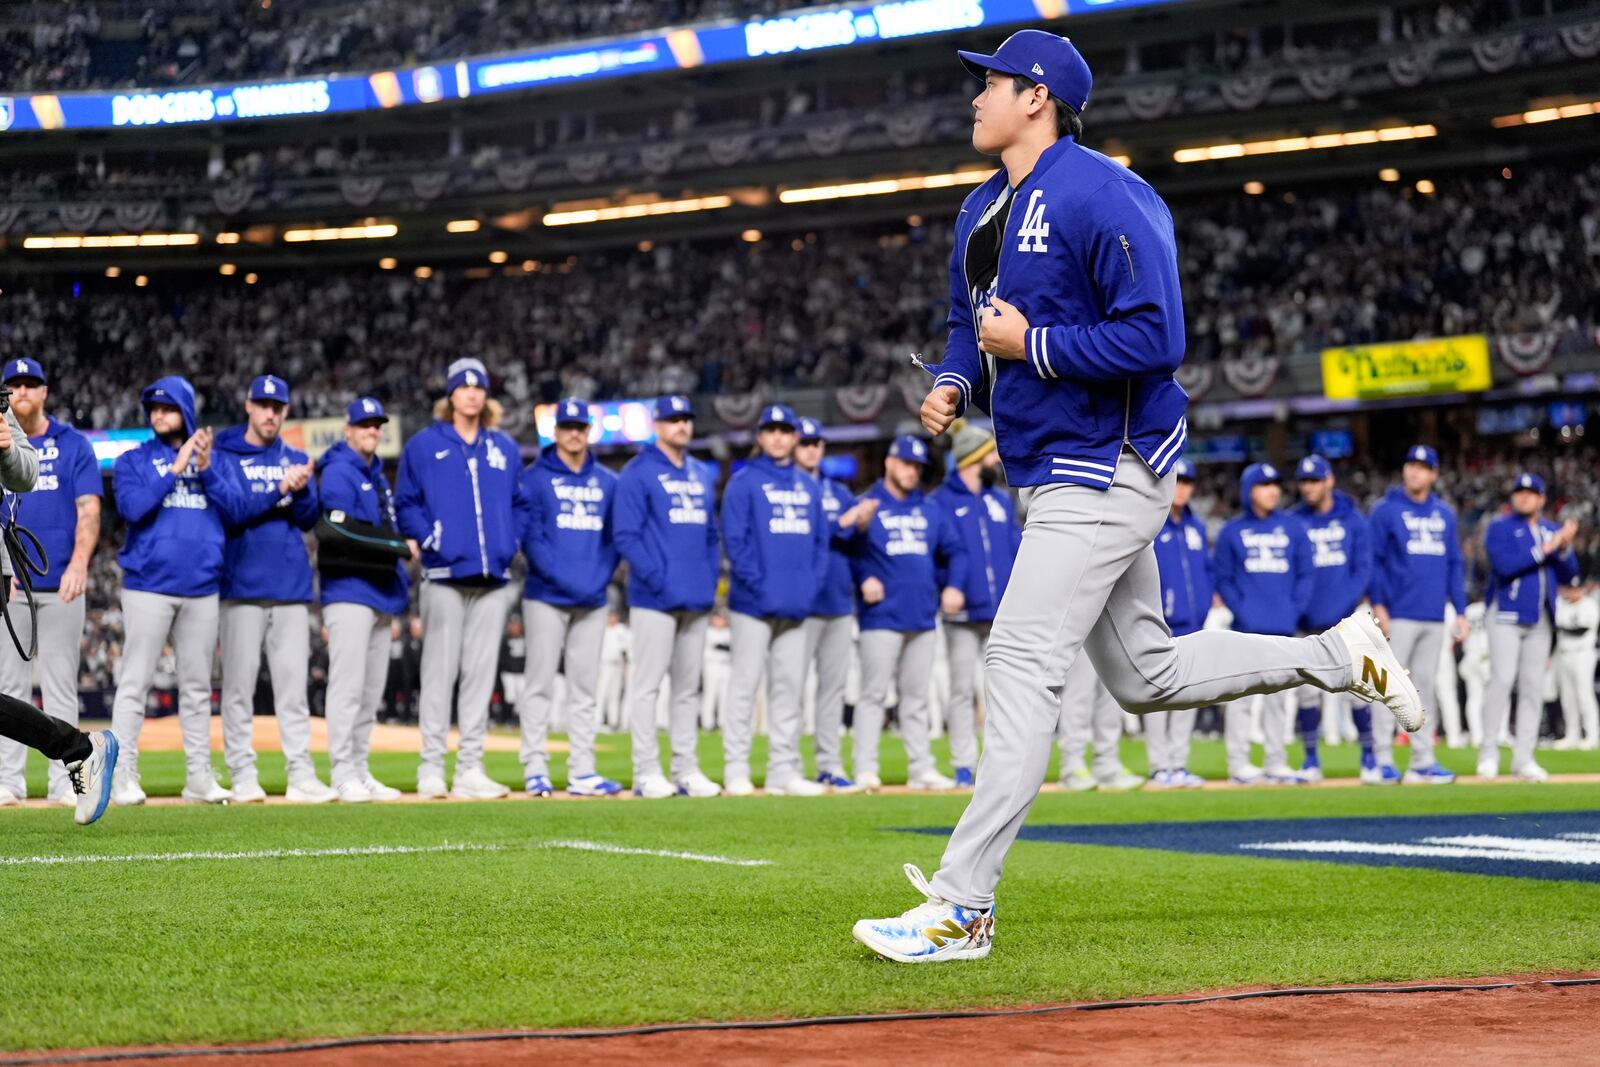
(1559,846)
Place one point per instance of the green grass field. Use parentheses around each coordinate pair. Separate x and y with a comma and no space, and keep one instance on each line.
(524,935)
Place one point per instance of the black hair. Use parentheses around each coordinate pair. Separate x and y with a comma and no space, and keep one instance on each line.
(1068,122)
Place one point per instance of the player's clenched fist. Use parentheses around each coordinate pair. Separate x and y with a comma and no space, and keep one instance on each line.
(1002,330)
(939,408)
(872,591)
(952,600)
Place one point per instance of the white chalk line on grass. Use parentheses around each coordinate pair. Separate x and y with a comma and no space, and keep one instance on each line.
(623,850)
(256,854)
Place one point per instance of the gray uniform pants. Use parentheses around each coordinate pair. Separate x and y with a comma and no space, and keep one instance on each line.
(1085,581)
(1516,657)
(286,630)
(1574,683)
(666,642)
(555,634)
(358,666)
(777,648)
(60,640)
(882,653)
(1236,733)
(1088,712)
(462,627)
(1166,739)
(146,620)
(1416,643)
(963,643)
(828,640)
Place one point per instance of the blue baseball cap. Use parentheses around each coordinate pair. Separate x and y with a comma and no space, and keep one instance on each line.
(1183,470)
(365,409)
(1052,61)
(17,369)
(909,448)
(1528,481)
(573,412)
(270,387)
(810,429)
(1424,455)
(1257,474)
(673,407)
(778,415)
(466,371)
(1313,469)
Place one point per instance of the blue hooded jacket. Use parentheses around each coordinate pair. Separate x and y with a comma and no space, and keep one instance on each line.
(1416,558)
(776,537)
(991,535)
(905,546)
(265,557)
(1185,569)
(665,527)
(1264,572)
(67,470)
(568,541)
(1523,576)
(1089,258)
(347,483)
(835,592)
(1341,550)
(462,503)
(175,522)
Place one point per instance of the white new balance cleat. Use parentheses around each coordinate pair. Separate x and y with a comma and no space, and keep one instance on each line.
(248,791)
(309,791)
(1377,673)
(380,792)
(1121,780)
(932,932)
(796,787)
(739,785)
(431,787)
(868,783)
(1530,772)
(475,785)
(931,782)
(91,778)
(653,787)
(353,791)
(205,790)
(1079,780)
(125,788)
(695,784)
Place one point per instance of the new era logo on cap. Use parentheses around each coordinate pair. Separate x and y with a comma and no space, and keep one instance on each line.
(1038,71)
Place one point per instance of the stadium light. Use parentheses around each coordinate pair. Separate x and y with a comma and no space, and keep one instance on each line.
(498,257)
(342,233)
(112,240)
(1304,144)
(883,186)
(227,237)
(227,269)
(581,216)
(1547,114)
(462,226)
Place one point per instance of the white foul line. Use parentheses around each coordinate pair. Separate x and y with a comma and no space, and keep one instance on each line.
(621,850)
(1527,851)
(260,854)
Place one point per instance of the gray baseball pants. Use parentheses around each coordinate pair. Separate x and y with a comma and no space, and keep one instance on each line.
(462,627)
(883,653)
(666,642)
(777,648)
(1088,712)
(1086,582)
(60,641)
(358,666)
(1166,739)
(1416,643)
(147,618)
(1236,734)
(828,645)
(964,642)
(556,635)
(286,630)
(1517,657)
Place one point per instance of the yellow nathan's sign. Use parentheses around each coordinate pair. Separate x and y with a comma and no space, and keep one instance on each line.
(1407,368)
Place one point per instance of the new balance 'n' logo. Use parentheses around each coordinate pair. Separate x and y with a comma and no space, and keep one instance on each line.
(1371,675)
(945,932)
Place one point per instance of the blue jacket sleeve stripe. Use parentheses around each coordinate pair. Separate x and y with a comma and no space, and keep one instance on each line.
(965,387)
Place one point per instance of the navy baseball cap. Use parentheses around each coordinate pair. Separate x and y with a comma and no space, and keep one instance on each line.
(1313,469)
(1528,481)
(270,387)
(1183,470)
(466,371)
(573,412)
(1424,455)
(778,415)
(1052,61)
(909,448)
(673,407)
(365,409)
(1257,474)
(17,369)
(810,429)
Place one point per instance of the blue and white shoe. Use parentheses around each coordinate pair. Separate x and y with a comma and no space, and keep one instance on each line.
(1249,774)
(932,932)
(1162,779)
(1378,773)
(91,778)
(538,785)
(593,785)
(1282,775)
(837,782)
(1311,772)
(964,778)
(1184,778)
(1432,774)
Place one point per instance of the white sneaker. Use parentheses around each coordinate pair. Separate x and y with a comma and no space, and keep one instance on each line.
(431,787)
(63,800)
(1249,774)
(797,786)
(310,791)
(248,791)
(206,791)
(1565,744)
(696,784)
(932,782)
(1377,673)
(869,783)
(475,785)
(738,786)
(653,787)
(931,932)
(1530,772)
(125,788)
(1282,774)
(91,778)
(8,798)
(1079,780)
(353,791)
(1123,781)
(1489,769)
(380,792)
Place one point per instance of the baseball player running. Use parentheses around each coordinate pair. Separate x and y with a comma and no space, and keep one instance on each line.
(176,502)
(1577,617)
(831,626)
(1184,563)
(777,543)
(990,532)
(571,556)
(266,594)
(897,565)
(358,604)
(1341,558)
(1067,323)
(1416,570)
(459,500)
(1530,556)
(63,511)
(666,529)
